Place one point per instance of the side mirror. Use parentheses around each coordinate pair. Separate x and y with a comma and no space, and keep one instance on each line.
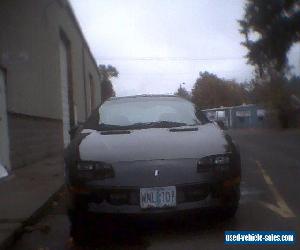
(221,125)
(73,130)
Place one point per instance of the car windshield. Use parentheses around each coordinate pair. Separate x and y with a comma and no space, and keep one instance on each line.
(147,112)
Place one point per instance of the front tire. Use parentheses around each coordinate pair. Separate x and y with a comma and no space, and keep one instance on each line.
(79,228)
(229,211)
(230,203)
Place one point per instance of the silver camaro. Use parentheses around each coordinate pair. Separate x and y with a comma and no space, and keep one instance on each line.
(150,154)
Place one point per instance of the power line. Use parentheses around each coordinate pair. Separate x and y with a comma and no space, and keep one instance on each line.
(167,59)
(174,73)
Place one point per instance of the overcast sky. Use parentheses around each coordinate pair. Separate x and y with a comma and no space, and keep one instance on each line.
(158,44)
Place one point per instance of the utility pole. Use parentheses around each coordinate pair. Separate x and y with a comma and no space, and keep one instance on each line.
(180,85)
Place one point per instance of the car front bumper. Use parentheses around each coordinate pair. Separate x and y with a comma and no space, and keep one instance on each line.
(207,196)
(107,208)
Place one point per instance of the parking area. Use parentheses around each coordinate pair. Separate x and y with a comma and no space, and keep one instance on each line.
(270,201)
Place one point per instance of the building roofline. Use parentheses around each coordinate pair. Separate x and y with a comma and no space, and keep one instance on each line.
(224,108)
(85,43)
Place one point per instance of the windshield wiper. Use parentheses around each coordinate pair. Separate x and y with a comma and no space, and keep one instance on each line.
(165,124)
(104,127)
(141,125)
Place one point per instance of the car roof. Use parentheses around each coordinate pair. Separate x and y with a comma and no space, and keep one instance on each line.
(146,96)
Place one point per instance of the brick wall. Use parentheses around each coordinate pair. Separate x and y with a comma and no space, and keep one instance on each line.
(33,138)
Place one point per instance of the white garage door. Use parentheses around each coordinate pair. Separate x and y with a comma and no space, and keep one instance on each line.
(64,92)
(4,143)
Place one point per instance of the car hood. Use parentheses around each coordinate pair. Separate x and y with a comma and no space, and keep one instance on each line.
(153,144)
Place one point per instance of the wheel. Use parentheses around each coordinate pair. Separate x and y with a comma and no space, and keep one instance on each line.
(229,211)
(230,203)
(79,228)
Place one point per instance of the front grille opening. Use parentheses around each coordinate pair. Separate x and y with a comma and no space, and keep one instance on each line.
(117,197)
(188,193)
(194,192)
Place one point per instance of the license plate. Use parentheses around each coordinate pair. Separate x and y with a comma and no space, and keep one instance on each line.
(158,197)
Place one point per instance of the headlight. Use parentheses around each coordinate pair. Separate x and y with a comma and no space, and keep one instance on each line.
(87,167)
(95,170)
(219,161)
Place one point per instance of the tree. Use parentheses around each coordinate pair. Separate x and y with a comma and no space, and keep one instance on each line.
(275,24)
(294,85)
(107,90)
(181,91)
(277,95)
(210,91)
(107,72)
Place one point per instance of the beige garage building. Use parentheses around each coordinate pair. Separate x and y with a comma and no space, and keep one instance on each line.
(48,79)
